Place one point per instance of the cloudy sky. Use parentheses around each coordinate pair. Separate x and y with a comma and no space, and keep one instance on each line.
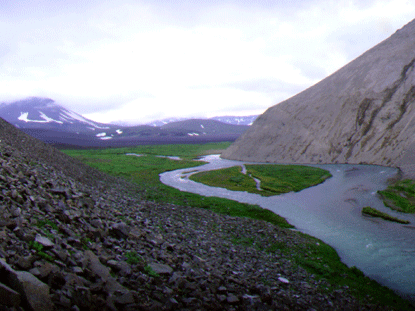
(136,61)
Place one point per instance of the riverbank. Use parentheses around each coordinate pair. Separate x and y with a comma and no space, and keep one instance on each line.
(332,211)
(86,248)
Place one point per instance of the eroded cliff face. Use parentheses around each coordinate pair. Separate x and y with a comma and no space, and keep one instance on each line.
(363,113)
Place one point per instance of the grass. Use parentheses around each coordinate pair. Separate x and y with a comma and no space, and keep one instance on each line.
(313,255)
(400,196)
(144,172)
(286,178)
(275,179)
(375,213)
(230,178)
(323,262)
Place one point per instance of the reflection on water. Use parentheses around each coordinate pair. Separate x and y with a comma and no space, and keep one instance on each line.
(331,211)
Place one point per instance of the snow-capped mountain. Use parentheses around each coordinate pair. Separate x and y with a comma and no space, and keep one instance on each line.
(44,116)
(53,123)
(37,112)
(165,121)
(197,127)
(235,120)
(245,120)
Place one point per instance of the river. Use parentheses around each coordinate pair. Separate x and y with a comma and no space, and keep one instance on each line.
(331,211)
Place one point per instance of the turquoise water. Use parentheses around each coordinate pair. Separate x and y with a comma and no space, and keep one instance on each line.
(331,211)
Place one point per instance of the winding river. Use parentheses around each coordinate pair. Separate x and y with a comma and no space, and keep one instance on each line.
(331,211)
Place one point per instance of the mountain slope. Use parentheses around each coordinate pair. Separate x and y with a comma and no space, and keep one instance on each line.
(204,127)
(35,112)
(363,113)
(243,120)
(44,119)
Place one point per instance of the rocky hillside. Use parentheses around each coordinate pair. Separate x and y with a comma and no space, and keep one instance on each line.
(363,113)
(72,238)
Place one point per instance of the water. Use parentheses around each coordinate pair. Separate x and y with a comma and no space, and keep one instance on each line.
(331,211)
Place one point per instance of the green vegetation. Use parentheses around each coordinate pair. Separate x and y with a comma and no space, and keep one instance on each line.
(46,225)
(230,178)
(41,223)
(39,251)
(275,179)
(324,263)
(375,213)
(86,243)
(144,172)
(286,178)
(133,258)
(312,254)
(150,272)
(400,196)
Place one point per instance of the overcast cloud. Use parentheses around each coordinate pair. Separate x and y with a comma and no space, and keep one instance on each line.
(137,61)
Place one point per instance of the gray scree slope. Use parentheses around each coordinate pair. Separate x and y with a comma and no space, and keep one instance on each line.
(362,113)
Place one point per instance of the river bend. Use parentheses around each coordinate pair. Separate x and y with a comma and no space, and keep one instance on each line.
(331,211)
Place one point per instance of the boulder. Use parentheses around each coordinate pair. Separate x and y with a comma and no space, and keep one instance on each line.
(160,268)
(8,296)
(34,293)
(120,230)
(104,273)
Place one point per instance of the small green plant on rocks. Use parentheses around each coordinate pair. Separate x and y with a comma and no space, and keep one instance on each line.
(46,222)
(150,272)
(85,243)
(38,248)
(133,258)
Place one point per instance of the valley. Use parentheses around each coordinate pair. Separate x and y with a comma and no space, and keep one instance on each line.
(117,237)
(308,206)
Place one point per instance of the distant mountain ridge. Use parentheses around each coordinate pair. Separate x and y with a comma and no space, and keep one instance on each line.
(235,120)
(43,118)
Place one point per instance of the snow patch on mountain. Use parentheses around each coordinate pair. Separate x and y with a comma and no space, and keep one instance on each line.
(24,116)
(80,118)
(243,120)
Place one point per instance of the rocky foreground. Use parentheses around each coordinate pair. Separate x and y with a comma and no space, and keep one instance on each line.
(76,241)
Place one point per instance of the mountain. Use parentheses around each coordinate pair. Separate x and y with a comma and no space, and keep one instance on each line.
(44,113)
(235,120)
(52,123)
(362,113)
(244,120)
(198,127)
(165,121)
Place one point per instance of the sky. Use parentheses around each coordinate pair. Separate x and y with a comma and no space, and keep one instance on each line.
(139,61)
